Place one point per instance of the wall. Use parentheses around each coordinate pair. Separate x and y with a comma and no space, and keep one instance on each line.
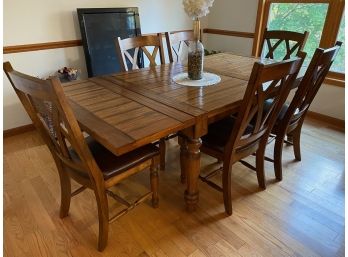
(48,21)
(236,15)
(240,15)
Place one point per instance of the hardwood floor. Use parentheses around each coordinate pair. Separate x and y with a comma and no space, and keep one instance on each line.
(301,216)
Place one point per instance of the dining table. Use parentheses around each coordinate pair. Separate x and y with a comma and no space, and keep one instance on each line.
(126,110)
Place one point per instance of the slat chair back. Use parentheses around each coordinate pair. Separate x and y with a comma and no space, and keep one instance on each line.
(310,84)
(175,42)
(234,138)
(139,44)
(48,108)
(290,123)
(275,39)
(267,82)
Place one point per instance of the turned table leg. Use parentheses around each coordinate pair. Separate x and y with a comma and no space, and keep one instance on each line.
(192,168)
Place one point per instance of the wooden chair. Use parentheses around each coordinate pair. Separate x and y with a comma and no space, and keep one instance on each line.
(137,44)
(292,116)
(81,159)
(177,39)
(281,36)
(175,42)
(232,139)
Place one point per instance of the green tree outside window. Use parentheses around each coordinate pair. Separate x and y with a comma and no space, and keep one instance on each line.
(299,17)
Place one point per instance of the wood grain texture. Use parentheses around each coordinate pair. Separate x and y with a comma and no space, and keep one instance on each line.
(77,158)
(229,64)
(129,103)
(234,138)
(301,216)
(157,84)
(291,123)
(121,119)
(120,111)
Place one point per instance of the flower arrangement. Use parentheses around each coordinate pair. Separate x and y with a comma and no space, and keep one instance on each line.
(197,8)
(68,73)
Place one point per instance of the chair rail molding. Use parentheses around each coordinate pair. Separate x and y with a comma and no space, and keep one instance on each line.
(41,46)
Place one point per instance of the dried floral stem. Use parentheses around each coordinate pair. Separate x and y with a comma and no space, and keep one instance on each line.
(197,8)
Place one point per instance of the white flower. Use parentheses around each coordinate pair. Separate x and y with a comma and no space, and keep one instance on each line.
(197,8)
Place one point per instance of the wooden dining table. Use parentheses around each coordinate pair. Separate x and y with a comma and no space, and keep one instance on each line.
(124,111)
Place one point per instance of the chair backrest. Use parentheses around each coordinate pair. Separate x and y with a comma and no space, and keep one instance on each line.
(175,41)
(287,43)
(48,108)
(138,45)
(267,82)
(310,84)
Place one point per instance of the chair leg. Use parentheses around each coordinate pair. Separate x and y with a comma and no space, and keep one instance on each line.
(260,166)
(162,147)
(278,153)
(65,191)
(183,153)
(154,183)
(226,188)
(297,144)
(103,216)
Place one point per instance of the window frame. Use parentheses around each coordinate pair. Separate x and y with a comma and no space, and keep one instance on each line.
(329,35)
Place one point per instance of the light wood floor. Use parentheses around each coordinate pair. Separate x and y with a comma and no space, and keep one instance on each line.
(301,216)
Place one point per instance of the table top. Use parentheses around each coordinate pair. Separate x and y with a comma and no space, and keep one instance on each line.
(237,66)
(126,110)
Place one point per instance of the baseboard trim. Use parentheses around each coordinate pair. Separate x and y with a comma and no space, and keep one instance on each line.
(333,122)
(18,130)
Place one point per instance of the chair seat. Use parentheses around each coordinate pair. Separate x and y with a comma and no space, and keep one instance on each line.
(219,133)
(282,112)
(112,165)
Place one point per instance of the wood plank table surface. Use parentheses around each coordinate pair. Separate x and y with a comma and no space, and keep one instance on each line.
(126,110)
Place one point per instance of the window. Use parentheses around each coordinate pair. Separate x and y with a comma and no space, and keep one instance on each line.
(338,65)
(299,18)
(323,19)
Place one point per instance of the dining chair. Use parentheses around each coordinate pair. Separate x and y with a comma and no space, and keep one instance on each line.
(175,42)
(275,40)
(139,45)
(289,122)
(234,138)
(77,157)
